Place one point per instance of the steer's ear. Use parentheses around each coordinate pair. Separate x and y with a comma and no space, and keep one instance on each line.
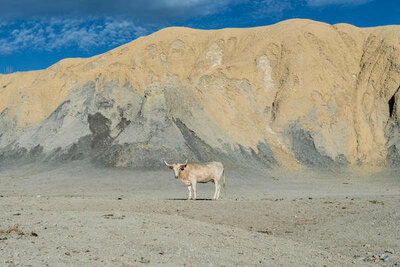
(168,165)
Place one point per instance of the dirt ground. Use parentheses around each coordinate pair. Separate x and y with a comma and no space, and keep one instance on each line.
(73,215)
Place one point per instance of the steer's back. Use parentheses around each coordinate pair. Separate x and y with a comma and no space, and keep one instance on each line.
(204,172)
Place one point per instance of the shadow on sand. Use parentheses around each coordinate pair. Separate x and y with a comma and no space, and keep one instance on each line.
(204,199)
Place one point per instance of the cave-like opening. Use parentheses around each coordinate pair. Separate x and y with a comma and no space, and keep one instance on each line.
(392,102)
(391,106)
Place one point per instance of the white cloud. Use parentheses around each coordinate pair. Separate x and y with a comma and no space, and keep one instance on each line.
(273,8)
(316,3)
(60,33)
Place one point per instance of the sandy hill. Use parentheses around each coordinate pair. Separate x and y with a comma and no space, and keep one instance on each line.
(295,94)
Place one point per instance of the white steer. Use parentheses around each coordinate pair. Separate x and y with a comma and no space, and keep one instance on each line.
(192,173)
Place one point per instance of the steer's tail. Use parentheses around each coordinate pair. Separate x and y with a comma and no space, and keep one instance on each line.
(223,172)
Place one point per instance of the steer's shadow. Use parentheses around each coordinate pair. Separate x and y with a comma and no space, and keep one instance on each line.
(185,199)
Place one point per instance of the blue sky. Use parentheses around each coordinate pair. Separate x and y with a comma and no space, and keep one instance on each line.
(35,34)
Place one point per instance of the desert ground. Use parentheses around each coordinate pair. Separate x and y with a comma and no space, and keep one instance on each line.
(73,215)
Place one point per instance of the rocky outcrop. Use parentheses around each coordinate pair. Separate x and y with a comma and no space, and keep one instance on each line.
(295,94)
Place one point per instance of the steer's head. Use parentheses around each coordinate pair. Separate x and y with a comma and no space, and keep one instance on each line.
(177,167)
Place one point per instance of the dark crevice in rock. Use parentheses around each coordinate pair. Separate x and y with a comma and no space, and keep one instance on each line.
(4,112)
(123,123)
(392,104)
(274,107)
(100,128)
(392,132)
(35,151)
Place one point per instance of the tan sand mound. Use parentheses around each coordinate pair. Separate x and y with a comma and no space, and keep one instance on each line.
(297,93)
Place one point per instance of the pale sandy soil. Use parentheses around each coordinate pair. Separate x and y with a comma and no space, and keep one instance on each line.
(110,217)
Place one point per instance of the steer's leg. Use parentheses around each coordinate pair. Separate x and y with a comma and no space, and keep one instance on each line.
(216,190)
(190,192)
(194,189)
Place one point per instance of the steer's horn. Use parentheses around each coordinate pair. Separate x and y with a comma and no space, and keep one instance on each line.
(168,165)
(186,162)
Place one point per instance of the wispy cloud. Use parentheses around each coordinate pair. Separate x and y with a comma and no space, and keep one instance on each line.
(273,8)
(318,3)
(48,25)
(61,33)
(276,9)
(151,11)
